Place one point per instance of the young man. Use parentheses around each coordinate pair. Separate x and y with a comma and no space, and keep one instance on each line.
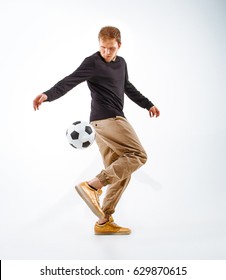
(107,78)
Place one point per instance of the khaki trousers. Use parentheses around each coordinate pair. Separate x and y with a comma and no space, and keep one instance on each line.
(122,154)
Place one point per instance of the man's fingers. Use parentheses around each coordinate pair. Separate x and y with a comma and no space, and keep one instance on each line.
(157,113)
(38,101)
(35,106)
(154,112)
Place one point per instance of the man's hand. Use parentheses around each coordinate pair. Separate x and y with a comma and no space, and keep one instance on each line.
(38,100)
(154,112)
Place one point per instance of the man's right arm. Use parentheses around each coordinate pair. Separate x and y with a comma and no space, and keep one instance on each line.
(84,72)
(81,74)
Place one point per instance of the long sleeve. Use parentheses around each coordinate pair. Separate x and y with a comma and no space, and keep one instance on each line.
(84,72)
(135,95)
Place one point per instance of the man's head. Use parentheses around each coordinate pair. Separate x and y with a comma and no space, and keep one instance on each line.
(110,41)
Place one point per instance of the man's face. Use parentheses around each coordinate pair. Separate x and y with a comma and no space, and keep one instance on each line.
(109,49)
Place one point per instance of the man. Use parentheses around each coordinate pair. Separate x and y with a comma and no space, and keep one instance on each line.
(107,78)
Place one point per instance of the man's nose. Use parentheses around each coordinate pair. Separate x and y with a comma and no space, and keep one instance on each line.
(108,51)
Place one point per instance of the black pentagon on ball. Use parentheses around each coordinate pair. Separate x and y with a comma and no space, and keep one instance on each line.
(86,144)
(74,135)
(76,122)
(88,129)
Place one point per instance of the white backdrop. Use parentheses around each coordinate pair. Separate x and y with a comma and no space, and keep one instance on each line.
(175,204)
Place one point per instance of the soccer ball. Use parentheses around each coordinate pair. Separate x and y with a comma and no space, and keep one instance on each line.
(80,135)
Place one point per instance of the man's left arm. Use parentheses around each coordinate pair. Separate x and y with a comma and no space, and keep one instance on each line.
(139,98)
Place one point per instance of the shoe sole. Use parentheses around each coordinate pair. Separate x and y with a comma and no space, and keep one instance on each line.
(85,198)
(112,233)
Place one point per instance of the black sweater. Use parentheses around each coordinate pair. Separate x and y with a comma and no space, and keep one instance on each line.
(107,81)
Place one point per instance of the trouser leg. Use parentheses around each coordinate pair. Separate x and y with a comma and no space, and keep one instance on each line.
(122,154)
(113,195)
(115,190)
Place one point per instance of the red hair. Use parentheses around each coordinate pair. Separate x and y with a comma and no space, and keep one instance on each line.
(110,32)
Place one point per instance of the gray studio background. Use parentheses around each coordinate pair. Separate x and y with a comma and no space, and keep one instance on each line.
(175,204)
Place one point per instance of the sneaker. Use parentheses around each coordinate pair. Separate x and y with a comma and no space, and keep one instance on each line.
(91,198)
(110,228)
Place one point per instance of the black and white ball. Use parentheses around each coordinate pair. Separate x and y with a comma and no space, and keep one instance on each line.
(80,135)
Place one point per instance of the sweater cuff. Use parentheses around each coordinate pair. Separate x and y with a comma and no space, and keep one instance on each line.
(149,105)
(48,96)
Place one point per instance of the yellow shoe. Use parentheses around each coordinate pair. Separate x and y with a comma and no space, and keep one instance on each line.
(110,228)
(91,198)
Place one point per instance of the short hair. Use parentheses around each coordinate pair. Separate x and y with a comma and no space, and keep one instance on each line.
(110,32)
